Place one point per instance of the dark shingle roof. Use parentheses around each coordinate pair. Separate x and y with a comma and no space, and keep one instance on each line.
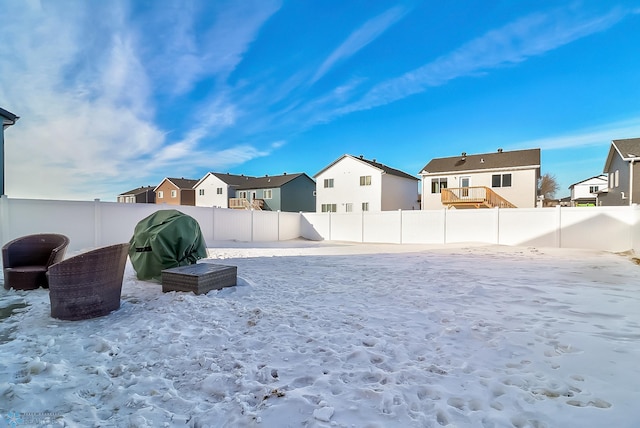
(500,159)
(269,181)
(386,169)
(628,148)
(183,183)
(231,179)
(137,190)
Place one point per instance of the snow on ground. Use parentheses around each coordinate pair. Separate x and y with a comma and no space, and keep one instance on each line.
(342,335)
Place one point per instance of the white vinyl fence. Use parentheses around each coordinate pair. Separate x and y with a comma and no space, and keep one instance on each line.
(96,223)
(600,228)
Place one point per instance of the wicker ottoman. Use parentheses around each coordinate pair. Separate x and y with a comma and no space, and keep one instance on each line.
(199,278)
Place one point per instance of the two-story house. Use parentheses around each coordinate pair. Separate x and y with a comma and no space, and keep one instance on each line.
(140,195)
(286,192)
(176,191)
(499,179)
(585,192)
(356,184)
(216,189)
(622,168)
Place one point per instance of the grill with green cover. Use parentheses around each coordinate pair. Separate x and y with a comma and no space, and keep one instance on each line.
(163,240)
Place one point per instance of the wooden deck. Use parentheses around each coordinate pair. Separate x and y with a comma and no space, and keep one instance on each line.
(473,197)
(245,204)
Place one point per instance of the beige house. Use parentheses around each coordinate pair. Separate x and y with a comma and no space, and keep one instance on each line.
(487,180)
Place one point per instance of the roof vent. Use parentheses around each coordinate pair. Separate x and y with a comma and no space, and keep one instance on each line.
(361,156)
(374,161)
(500,150)
(284,173)
(481,160)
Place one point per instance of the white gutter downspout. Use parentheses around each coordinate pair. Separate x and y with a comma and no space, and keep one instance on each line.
(631,180)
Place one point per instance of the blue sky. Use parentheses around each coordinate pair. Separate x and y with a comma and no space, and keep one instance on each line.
(118,94)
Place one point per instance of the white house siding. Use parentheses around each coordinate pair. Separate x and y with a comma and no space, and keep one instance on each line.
(346,189)
(399,193)
(521,193)
(211,198)
(582,190)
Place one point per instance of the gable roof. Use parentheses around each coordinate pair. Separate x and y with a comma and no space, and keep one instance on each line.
(601,177)
(267,182)
(384,168)
(229,179)
(137,191)
(628,149)
(8,118)
(485,161)
(180,183)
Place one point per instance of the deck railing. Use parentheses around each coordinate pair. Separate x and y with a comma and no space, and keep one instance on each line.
(477,197)
(245,204)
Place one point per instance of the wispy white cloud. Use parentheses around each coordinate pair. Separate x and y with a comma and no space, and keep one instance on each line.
(87,95)
(513,43)
(360,38)
(595,136)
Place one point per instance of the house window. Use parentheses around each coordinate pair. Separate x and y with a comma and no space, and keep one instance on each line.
(219,191)
(593,189)
(365,206)
(267,194)
(616,177)
(174,193)
(328,208)
(201,192)
(365,180)
(501,180)
(328,182)
(160,194)
(437,184)
(242,195)
(348,208)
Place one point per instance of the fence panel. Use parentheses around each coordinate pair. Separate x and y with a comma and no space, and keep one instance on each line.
(315,226)
(290,226)
(384,226)
(265,226)
(423,227)
(536,227)
(346,227)
(472,225)
(75,219)
(598,228)
(231,225)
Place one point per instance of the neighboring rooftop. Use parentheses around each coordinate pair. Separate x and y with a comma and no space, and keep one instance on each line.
(495,160)
(386,169)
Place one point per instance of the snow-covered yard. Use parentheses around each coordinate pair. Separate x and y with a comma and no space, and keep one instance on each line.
(323,334)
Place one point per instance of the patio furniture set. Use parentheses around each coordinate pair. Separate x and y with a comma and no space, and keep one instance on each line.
(89,284)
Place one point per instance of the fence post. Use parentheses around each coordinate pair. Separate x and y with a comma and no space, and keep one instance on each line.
(278,220)
(559,227)
(96,220)
(251,224)
(362,227)
(213,223)
(4,219)
(400,213)
(444,225)
(497,225)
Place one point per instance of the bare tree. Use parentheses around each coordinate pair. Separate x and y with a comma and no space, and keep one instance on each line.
(547,186)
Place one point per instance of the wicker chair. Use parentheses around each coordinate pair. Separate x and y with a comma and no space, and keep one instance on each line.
(25,260)
(88,285)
